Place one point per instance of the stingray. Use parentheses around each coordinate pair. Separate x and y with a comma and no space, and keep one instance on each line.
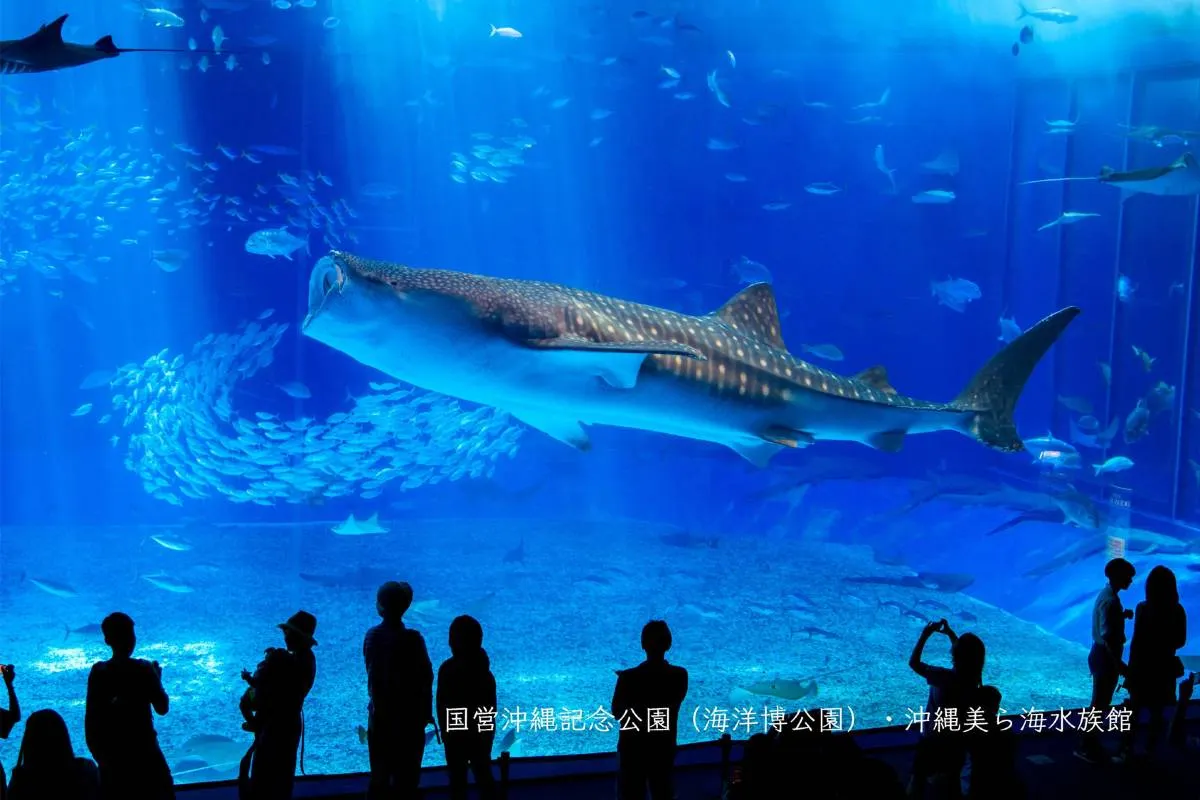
(1180,178)
(45,51)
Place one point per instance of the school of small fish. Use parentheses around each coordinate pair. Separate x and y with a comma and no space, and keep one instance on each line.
(492,158)
(185,439)
(77,196)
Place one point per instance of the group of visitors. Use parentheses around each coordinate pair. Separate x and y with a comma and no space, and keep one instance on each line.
(124,693)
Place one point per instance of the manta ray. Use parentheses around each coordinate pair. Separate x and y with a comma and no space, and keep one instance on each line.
(1179,178)
(558,358)
(45,51)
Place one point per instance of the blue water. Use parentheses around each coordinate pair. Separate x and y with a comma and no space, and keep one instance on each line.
(173,447)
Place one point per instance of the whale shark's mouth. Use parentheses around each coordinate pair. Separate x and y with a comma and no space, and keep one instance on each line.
(327,277)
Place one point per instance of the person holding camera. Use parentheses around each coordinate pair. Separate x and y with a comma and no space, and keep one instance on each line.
(10,716)
(123,693)
(941,753)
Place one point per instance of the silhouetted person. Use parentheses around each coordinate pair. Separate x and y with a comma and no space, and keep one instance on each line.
(466,709)
(122,695)
(1178,733)
(47,768)
(400,684)
(646,705)
(1105,658)
(8,716)
(993,752)
(941,751)
(1159,630)
(274,708)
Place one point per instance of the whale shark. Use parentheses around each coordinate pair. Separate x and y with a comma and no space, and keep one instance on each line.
(558,358)
(45,51)
(1180,178)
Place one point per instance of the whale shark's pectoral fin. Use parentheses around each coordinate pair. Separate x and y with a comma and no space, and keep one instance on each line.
(565,429)
(888,441)
(788,437)
(759,453)
(617,363)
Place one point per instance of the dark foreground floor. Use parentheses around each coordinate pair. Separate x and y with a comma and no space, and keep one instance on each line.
(1046,763)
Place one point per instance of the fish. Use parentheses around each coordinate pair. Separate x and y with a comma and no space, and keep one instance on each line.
(557,358)
(354,527)
(506,33)
(97,379)
(1114,464)
(1080,405)
(214,749)
(1009,329)
(945,164)
(168,583)
(364,736)
(90,631)
(186,440)
(1180,178)
(822,188)
(829,352)
(45,51)
(1067,218)
(295,389)
(51,586)
(783,689)
(1056,15)
(508,741)
(360,578)
(162,18)
(1137,424)
(273,242)
(169,260)
(170,542)
(955,293)
(881,165)
(934,197)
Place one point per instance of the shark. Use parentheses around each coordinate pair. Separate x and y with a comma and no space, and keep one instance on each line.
(558,358)
(45,51)
(1180,178)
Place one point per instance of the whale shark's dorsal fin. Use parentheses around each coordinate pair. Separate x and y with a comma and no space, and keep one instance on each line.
(753,312)
(52,31)
(877,378)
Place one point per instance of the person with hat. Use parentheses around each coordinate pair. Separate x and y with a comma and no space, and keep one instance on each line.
(400,686)
(274,710)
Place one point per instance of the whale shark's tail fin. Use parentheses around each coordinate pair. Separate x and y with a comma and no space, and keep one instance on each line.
(994,391)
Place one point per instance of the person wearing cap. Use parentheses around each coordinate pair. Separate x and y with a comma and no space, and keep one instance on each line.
(1106,658)
(274,708)
(400,686)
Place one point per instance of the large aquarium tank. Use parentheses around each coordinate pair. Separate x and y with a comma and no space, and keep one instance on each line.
(689,250)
